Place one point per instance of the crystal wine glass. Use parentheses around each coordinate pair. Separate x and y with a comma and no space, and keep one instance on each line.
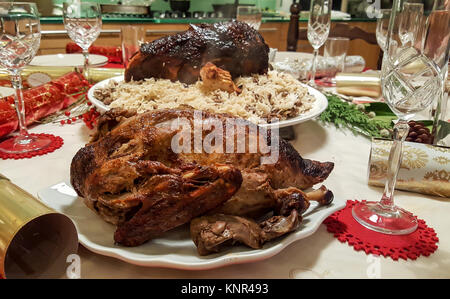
(409,22)
(83,22)
(20,37)
(382,27)
(319,23)
(411,78)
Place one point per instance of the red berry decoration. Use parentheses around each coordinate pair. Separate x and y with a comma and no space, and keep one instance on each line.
(90,117)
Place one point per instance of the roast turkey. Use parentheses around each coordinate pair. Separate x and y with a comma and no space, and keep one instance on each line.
(134,175)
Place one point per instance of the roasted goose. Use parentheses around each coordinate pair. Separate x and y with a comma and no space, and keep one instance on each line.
(133,176)
(211,233)
(233,46)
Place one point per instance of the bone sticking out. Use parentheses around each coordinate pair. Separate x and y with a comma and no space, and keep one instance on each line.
(214,77)
(322,195)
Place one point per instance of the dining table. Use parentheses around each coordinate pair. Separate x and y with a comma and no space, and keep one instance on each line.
(319,255)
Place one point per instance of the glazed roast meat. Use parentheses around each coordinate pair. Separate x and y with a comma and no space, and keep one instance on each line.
(233,46)
(211,233)
(133,177)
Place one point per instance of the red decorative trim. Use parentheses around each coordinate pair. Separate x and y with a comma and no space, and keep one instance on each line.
(346,229)
(57,142)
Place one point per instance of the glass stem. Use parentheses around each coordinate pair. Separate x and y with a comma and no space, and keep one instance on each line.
(16,81)
(86,63)
(401,130)
(313,67)
(342,66)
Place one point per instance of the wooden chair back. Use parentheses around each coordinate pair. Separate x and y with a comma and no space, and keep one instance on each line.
(338,29)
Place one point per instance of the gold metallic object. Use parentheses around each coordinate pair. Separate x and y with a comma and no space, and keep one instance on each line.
(37,75)
(100,74)
(35,241)
(352,84)
(425,168)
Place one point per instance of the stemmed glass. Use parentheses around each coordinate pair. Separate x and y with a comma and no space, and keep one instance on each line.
(319,23)
(410,18)
(20,37)
(83,22)
(382,27)
(411,78)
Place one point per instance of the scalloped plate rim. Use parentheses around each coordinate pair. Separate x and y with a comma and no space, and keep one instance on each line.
(241,254)
(319,105)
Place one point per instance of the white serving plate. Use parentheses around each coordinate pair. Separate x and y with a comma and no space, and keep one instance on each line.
(75,60)
(319,106)
(175,249)
(6,91)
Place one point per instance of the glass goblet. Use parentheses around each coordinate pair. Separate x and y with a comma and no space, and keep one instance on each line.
(319,23)
(382,27)
(83,22)
(409,22)
(20,37)
(411,79)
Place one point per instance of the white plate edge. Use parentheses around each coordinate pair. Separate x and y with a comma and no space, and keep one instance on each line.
(102,63)
(224,260)
(320,98)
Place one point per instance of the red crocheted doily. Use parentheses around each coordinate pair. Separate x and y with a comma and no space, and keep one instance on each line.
(56,143)
(346,229)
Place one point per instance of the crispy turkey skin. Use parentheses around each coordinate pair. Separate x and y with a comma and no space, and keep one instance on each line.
(132,177)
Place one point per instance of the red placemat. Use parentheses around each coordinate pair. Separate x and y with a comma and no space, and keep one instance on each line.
(346,229)
(57,142)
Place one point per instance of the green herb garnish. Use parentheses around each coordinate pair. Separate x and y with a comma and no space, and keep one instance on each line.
(345,115)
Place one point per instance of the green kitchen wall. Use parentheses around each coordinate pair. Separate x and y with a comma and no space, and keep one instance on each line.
(196,5)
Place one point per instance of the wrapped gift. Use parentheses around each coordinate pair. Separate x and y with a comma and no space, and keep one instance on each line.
(363,84)
(41,101)
(35,241)
(326,66)
(425,168)
(34,76)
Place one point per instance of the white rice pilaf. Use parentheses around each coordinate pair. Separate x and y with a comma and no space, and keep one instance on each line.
(263,97)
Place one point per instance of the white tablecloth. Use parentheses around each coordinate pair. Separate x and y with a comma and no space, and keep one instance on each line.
(318,256)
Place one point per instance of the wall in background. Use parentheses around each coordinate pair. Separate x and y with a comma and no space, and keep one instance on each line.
(202,5)
(195,5)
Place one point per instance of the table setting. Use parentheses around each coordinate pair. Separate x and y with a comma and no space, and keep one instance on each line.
(207,154)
